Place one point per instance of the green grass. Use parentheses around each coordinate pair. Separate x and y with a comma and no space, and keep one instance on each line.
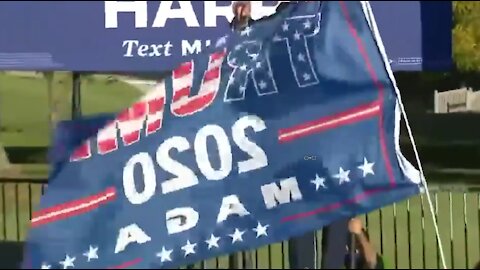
(24,104)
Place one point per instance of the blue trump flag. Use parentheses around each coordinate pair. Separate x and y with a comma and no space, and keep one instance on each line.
(279,130)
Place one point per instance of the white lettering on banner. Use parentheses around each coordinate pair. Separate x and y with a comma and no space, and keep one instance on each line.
(166,12)
(134,48)
(274,195)
(181,219)
(231,205)
(194,47)
(184,177)
(130,234)
(149,178)
(211,10)
(139,8)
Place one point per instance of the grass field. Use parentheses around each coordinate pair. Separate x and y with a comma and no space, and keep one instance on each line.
(402,232)
(24,104)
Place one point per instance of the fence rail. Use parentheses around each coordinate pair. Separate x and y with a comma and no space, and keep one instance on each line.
(402,232)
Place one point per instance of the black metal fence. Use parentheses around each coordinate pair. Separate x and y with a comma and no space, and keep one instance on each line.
(403,233)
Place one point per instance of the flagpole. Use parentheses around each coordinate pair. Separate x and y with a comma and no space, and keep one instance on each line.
(352,251)
(369,16)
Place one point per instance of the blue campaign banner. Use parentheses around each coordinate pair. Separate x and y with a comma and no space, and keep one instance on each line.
(146,36)
(276,131)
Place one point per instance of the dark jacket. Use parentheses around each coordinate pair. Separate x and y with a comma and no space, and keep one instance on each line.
(235,24)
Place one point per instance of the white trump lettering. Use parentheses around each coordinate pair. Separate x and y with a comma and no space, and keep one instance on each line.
(231,205)
(274,195)
(130,234)
(166,12)
(181,219)
(139,8)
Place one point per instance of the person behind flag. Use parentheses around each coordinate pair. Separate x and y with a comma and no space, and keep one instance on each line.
(367,258)
(302,254)
(242,11)
(365,255)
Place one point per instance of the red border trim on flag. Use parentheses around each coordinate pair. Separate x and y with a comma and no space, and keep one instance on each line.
(72,208)
(329,122)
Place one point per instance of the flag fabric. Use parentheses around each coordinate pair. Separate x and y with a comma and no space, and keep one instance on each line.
(277,131)
(70,134)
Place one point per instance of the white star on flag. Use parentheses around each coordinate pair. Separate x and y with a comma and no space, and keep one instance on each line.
(276,38)
(221,41)
(68,262)
(367,168)
(307,24)
(342,176)
(254,56)
(285,26)
(238,47)
(301,57)
(92,253)
(237,236)
(231,80)
(243,67)
(261,230)
(165,255)
(296,36)
(189,248)
(45,266)
(306,76)
(246,31)
(318,181)
(258,65)
(213,241)
(262,84)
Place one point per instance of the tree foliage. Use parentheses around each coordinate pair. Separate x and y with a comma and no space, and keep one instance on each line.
(466,35)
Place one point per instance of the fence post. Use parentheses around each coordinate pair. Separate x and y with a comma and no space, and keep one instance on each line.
(435,102)
(76,95)
(52,104)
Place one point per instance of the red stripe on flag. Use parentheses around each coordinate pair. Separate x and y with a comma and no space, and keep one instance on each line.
(183,70)
(181,93)
(334,206)
(325,123)
(126,264)
(72,208)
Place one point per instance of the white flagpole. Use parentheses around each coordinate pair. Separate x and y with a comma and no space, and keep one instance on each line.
(369,16)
